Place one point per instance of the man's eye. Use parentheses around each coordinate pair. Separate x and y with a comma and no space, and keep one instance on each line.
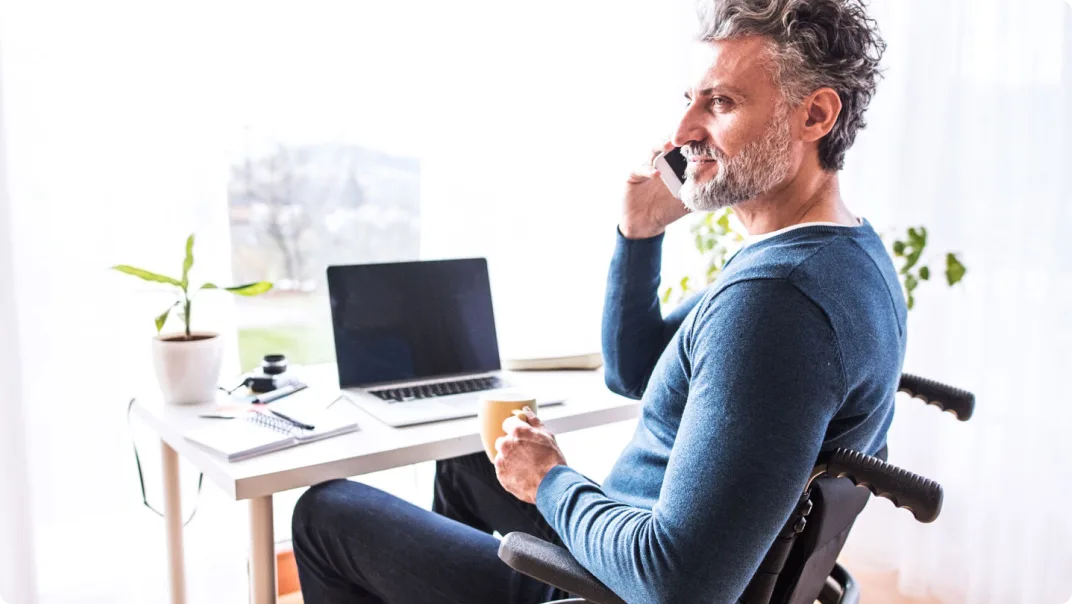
(720,102)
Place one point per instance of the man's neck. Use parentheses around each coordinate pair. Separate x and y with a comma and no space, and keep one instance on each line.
(810,197)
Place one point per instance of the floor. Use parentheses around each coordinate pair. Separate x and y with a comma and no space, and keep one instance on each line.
(881,588)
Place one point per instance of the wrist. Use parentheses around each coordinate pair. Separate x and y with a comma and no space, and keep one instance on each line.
(635,230)
(544,472)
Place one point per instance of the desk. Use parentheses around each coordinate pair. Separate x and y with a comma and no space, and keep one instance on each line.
(375,447)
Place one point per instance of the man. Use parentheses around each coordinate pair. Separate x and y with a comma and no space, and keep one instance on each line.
(796,349)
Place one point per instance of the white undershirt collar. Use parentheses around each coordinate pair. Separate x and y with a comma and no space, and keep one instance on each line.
(750,239)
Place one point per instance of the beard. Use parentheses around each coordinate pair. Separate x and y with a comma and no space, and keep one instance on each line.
(756,169)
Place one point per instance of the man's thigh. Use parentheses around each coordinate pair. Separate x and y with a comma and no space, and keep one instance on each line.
(355,543)
(467,490)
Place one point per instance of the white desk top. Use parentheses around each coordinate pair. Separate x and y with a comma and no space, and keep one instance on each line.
(376,446)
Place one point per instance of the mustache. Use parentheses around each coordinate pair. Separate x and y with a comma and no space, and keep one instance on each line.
(691,150)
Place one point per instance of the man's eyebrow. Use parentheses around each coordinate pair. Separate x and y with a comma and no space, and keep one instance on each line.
(715,89)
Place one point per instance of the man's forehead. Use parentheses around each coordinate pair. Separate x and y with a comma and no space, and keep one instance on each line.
(738,63)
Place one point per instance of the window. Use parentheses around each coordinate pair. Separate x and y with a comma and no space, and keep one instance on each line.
(295,209)
(321,170)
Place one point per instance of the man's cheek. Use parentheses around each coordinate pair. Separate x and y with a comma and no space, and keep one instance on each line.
(733,132)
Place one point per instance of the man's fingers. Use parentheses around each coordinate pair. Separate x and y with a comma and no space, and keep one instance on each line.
(657,151)
(515,424)
(642,175)
(533,421)
(499,442)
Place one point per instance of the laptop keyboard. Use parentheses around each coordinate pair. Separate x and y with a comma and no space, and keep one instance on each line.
(413,393)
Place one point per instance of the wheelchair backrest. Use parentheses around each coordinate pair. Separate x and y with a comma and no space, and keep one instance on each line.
(836,502)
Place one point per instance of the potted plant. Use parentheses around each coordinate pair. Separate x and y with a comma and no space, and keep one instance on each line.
(718,236)
(187,363)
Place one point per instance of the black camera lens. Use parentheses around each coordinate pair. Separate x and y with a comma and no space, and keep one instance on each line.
(274,364)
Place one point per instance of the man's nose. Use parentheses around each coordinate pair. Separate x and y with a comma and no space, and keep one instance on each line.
(690,129)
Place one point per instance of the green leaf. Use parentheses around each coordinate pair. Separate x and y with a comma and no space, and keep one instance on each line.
(913,235)
(188,262)
(911,301)
(910,283)
(163,317)
(250,289)
(146,275)
(724,221)
(925,273)
(954,270)
(898,248)
(911,259)
(666,295)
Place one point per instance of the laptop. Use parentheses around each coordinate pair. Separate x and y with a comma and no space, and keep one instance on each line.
(415,342)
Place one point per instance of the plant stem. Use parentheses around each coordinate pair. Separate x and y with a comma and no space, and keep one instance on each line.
(186,314)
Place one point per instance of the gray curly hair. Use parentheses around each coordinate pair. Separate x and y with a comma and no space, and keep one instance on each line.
(815,44)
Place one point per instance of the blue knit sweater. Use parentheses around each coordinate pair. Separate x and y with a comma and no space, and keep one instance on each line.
(796,349)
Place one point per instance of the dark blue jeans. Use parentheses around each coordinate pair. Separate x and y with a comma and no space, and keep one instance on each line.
(356,544)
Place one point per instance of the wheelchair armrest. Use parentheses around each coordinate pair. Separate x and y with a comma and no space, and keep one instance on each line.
(960,403)
(922,496)
(555,566)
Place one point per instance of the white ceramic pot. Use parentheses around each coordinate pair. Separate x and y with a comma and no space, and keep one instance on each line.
(188,370)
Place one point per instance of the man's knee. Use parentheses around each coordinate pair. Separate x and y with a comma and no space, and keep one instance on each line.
(328,504)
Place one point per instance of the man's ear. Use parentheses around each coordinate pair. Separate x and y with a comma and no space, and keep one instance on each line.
(822,109)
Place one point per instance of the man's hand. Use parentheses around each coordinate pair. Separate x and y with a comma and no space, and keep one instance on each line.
(526,454)
(649,206)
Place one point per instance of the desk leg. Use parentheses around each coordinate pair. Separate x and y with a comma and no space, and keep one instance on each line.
(262,550)
(173,522)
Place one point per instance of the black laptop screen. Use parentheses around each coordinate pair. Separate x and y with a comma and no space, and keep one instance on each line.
(412,320)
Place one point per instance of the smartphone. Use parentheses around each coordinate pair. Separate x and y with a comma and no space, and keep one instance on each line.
(671,166)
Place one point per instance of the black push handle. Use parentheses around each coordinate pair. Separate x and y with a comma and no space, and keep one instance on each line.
(947,398)
(906,490)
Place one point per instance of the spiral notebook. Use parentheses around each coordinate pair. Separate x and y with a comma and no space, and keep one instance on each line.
(257,432)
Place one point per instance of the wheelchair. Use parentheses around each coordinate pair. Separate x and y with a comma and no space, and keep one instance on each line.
(801,565)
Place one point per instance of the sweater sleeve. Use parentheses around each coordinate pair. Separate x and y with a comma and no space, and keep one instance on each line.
(765,379)
(634,329)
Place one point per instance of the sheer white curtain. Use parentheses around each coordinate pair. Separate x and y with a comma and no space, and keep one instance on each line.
(17,580)
(111,122)
(971,135)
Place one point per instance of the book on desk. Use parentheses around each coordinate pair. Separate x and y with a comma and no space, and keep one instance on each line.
(257,430)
